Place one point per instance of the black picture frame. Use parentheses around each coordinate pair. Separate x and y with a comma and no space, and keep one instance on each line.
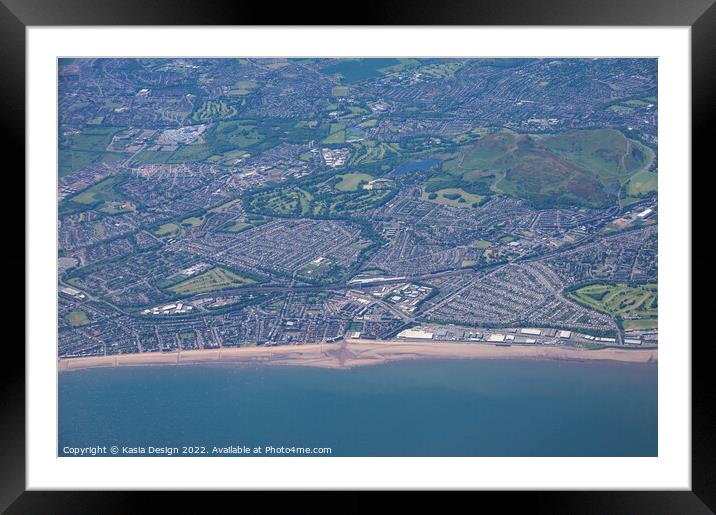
(16,15)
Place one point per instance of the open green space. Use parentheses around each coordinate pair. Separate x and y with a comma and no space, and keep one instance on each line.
(641,324)
(169,229)
(480,244)
(115,207)
(216,278)
(211,110)
(339,91)
(102,191)
(454,197)
(620,300)
(403,64)
(370,151)
(318,196)
(92,138)
(77,318)
(627,201)
(192,221)
(190,153)
(86,147)
(606,152)
(243,87)
(636,102)
(337,133)
(71,159)
(642,183)
(441,70)
(616,108)
(352,181)
(227,140)
(237,227)
(318,269)
(575,168)
(248,222)
(153,156)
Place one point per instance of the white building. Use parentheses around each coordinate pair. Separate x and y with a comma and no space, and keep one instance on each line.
(533,332)
(416,334)
(645,214)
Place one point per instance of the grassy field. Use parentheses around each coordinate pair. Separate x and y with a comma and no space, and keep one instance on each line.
(339,91)
(93,138)
(74,159)
(646,323)
(169,229)
(192,221)
(620,300)
(351,181)
(77,318)
(626,201)
(114,208)
(243,87)
(642,182)
(237,135)
(454,197)
(616,108)
(153,156)
(337,133)
(89,146)
(237,227)
(636,103)
(441,70)
(102,191)
(229,204)
(228,157)
(214,279)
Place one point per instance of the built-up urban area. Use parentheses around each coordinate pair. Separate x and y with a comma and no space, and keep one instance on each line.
(212,203)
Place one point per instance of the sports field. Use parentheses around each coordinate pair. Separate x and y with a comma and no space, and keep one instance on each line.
(214,279)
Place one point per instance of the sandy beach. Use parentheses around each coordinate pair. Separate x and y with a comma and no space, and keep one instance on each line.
(354,353)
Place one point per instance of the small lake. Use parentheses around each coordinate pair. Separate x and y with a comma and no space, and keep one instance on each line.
(414,167)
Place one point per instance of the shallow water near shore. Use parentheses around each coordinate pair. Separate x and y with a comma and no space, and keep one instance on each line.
(409,408)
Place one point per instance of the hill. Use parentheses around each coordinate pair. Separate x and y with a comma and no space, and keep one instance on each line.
(583,168)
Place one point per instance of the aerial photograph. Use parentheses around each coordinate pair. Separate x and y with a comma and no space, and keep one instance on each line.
(379,257)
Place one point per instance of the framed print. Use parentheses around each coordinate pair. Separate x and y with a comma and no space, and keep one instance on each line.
(425,255)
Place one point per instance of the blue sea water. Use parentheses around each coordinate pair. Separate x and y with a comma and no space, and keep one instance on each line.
(410,408)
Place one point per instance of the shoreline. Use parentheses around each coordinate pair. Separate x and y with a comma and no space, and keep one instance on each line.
(356,353)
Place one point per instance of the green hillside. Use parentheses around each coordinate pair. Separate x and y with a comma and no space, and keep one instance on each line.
(576,168)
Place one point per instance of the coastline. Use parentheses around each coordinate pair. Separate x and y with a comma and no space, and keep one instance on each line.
(356,353)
